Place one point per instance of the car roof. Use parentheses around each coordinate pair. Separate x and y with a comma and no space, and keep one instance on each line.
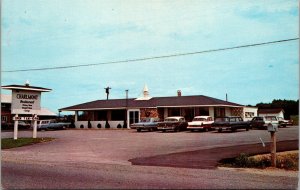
(227,116)
(174,117)
(202,116)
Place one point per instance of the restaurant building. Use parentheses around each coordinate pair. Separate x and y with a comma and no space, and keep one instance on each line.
(115,113)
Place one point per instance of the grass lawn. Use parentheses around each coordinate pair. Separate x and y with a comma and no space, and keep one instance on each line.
(8,143)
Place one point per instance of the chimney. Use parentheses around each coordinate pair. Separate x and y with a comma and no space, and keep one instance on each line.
(226,97)
(178,92)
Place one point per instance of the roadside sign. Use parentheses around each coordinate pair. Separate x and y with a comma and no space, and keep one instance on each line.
(25,102)
(25,118)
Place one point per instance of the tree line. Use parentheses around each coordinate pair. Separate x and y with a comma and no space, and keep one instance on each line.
(290,107)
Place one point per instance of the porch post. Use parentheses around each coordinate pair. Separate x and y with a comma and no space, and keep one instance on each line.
(34,128)
(211,112)
(16,123)
(128,121)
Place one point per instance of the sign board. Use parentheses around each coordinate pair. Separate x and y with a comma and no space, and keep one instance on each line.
(25,118)
(25,102)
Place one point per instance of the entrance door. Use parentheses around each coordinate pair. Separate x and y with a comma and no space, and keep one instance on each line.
(134,117)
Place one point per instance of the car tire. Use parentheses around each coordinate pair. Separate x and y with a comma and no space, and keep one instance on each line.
(205,129)
(138,130)
(220,130)
(163,130)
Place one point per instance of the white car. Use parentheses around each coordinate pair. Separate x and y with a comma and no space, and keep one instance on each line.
(200,123)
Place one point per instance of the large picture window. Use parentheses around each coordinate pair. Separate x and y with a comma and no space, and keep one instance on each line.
(101,115)
(249,114)
(174,112)
(82,115)
(219,112)
(118,115)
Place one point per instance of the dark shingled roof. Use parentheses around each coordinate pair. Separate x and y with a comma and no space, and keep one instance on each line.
(270,110)
(152,103)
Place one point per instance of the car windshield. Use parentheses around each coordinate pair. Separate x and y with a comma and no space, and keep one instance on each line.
(222,119)
(145,120)
(199,119)
(271,118)
(171,119)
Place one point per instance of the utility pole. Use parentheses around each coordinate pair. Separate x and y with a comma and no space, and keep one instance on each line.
(126,110)
(107,92)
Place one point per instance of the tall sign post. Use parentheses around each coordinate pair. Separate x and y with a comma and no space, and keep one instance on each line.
(26,104)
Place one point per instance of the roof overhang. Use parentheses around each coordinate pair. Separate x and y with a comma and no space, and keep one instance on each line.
(29,88)
(98,109)
(200,106)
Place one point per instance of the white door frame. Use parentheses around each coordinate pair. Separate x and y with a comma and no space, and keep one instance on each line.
(128,115)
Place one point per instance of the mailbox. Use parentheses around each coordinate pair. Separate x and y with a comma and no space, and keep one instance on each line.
(272,128)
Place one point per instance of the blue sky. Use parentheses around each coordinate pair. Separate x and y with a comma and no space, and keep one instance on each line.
(51,33)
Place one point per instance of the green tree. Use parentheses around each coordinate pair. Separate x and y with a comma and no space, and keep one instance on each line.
(290,107)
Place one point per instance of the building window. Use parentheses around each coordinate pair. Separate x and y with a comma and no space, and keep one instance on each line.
(188,114)
(4,118)
(249,114)
(82,115)
(174,112)
(118,115)
(101,115)
(219,112)
(203,111)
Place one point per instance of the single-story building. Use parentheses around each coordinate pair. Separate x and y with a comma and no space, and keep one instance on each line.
(278,112)
(116,112)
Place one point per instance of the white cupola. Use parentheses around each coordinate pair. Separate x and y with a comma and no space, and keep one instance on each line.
(145,94)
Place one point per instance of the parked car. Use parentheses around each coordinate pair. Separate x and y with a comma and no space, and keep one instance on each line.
(176,123)
(230,123)
(283,122)
(200,123)
(7,126)
(262,122)
(149,123)
(51,124)
(23,125)
(10,126)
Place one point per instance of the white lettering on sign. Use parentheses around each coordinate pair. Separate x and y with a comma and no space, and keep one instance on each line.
(26,102)
(25,118)
(27,96)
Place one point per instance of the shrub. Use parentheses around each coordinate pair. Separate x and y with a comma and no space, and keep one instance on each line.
(125,125)
(288,161)
(119,126)
(99,125)
(295,119)
(107,125)
(81,126)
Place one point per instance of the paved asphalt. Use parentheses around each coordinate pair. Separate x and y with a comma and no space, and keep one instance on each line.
(97,159)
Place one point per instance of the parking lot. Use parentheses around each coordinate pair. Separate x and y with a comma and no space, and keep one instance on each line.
(122,147)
